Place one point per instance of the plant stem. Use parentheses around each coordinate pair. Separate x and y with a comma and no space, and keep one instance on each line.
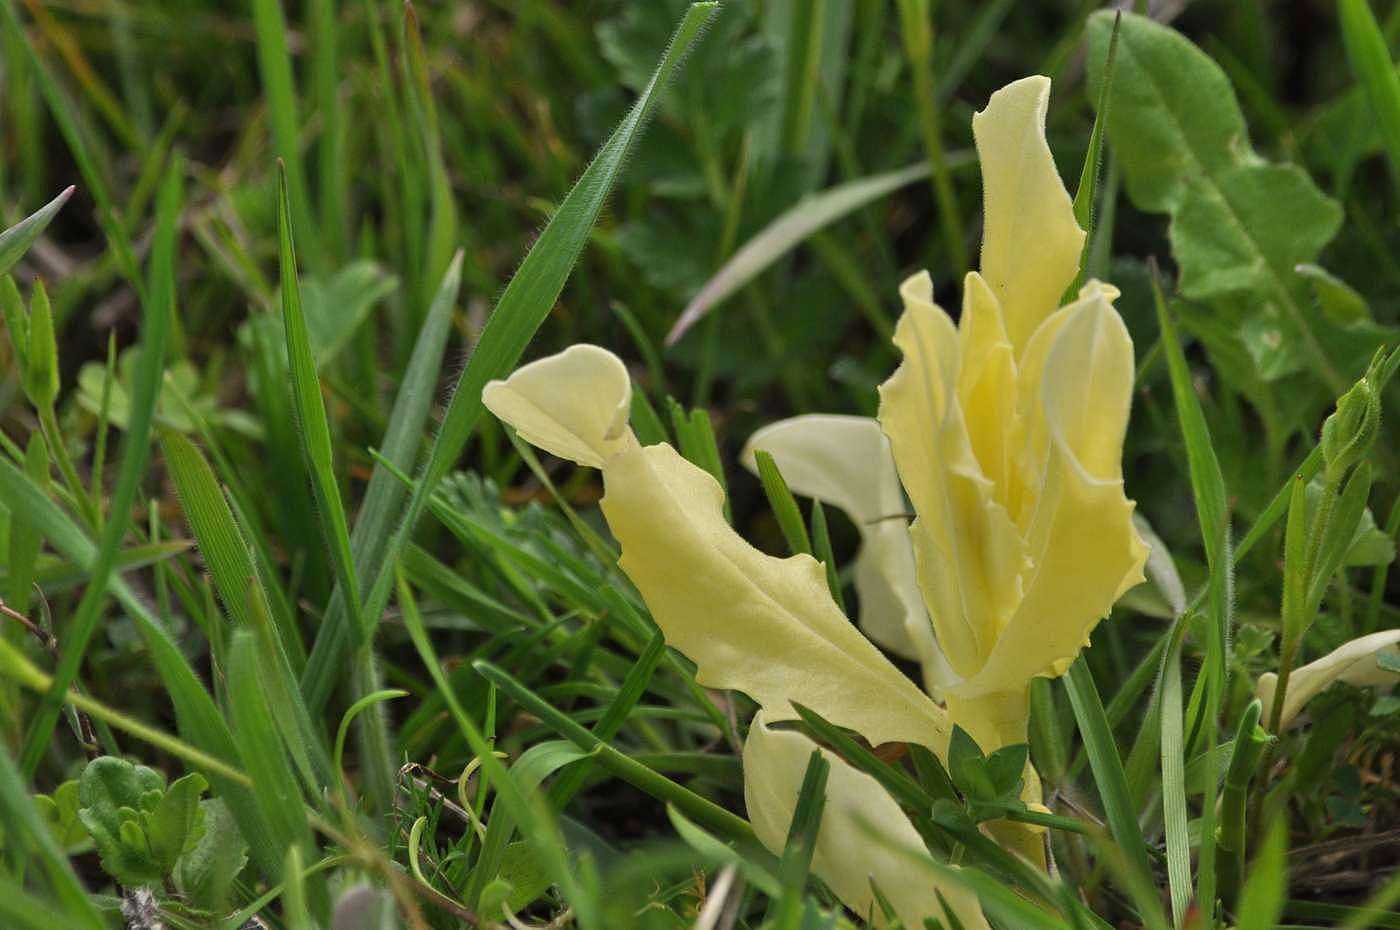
(48,422)
(918,46)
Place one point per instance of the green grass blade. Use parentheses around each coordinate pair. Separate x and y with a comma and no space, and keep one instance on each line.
(313,427)
(628,694)
(275,790)
(801,842)
(1278,505)
(16,240)
(1370,61)
(653,783)
(442,211)
(1093,161)
(156,326)
(331,166)
(1174,814)
(528,299)
(1264,893)
(384,496)
(782,503)
(916,19)
(1213,514)
(1107,767)
(790,230)
(230,561)
(280,92)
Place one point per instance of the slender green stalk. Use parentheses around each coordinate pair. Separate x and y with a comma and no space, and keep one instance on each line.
(917,32)
(1370,61)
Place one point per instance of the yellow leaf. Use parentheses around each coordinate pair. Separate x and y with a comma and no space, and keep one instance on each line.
(1030,240)
(1354,662)
(846,462)
(751,622)
(846,857)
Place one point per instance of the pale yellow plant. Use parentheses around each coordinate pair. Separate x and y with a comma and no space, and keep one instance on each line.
(1007,433)
(1356,662)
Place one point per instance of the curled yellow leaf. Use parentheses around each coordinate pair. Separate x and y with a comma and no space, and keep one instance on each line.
(846,857)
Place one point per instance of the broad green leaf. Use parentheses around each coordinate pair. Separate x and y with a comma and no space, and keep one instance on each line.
(1338,299)
(1239,224)
(113,796)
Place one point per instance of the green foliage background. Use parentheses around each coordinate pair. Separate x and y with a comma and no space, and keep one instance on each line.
(221,380)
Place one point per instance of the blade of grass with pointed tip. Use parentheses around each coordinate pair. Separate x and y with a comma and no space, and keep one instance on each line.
(16,240)
(801,843)
(1093,160)
(1213,515)
(155,333)
(526,302)
(628,694)
(791,229)
(63,112)
(313,427)
(782,503)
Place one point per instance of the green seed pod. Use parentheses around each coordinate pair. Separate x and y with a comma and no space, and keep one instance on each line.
(41,366)
(1349,432)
